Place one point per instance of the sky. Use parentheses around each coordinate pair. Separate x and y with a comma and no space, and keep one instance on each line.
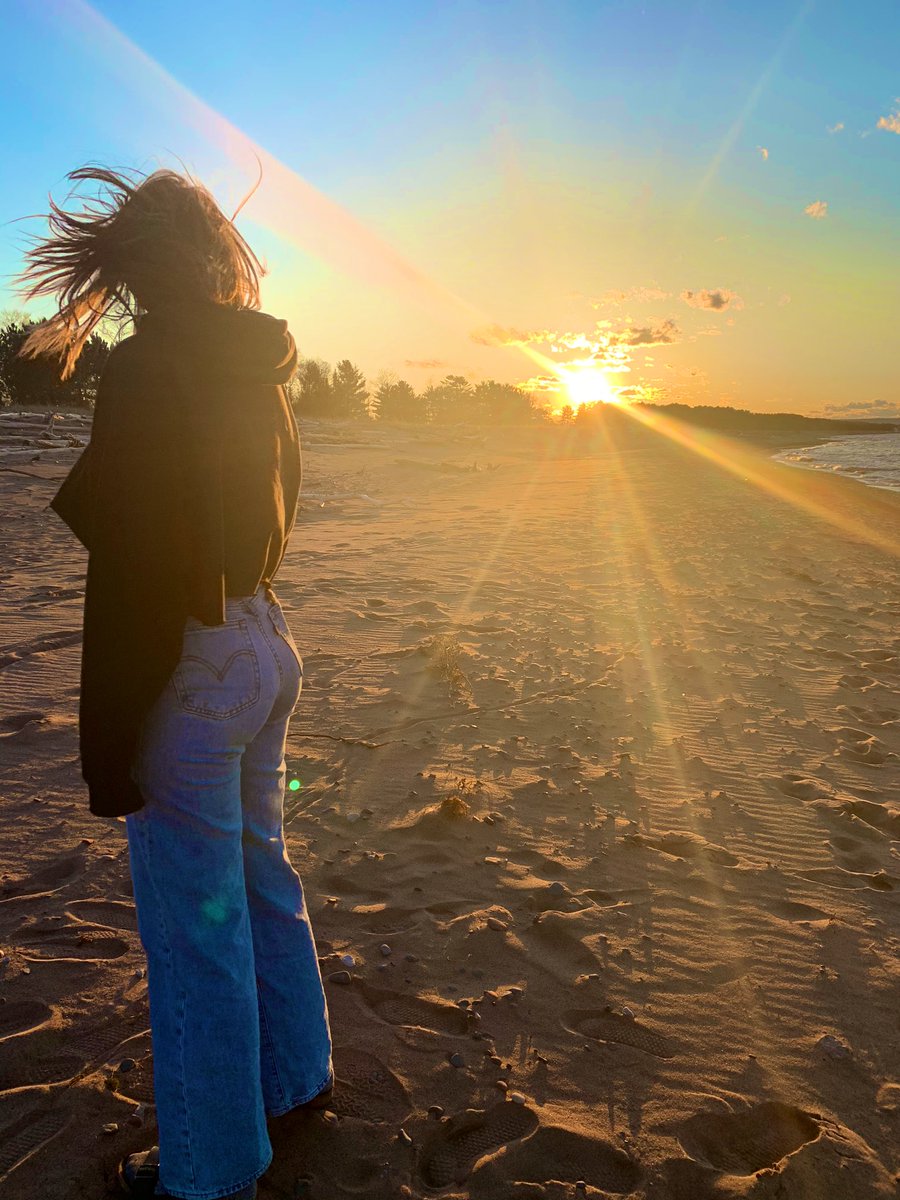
(690,201)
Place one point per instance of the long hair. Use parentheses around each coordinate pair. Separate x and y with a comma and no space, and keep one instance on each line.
(142,240)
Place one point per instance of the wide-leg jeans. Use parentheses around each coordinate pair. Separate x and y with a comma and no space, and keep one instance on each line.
(238,1016)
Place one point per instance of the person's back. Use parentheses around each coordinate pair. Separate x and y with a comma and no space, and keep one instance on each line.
(184,498)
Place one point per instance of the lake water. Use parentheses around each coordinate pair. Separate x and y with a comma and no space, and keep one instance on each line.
(872,458)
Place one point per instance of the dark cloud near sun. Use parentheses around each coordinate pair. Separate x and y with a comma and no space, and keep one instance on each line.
(663,334)
(714,299)
(424,363)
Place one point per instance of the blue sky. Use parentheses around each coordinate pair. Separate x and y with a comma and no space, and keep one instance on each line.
(630,180)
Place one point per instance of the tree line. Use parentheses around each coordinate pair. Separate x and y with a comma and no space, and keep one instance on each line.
(316,390)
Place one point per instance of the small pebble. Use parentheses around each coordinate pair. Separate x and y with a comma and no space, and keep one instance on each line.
(112,1127)
(329,1117)
(457,1060)
(340,977)
(628,1012)
(348,960)
(127,1064)
(385,949)
(496,923)
(411,957)
(832,1047)
(517,1098)
(557,888)
(137,1117)
(502,1085)
(435,1112)
(403,1136)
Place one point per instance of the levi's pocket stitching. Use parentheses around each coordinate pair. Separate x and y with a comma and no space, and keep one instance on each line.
(209,687)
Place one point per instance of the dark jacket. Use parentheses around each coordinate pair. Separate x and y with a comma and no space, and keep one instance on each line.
(186,494)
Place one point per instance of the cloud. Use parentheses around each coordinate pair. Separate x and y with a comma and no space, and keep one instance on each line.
(505,335)
(659,335)
(835,128)
(763,152)
(891,122)
(717,300)
(713,332)
(863,408)
(424,363)
(818,210)
(783,300)
(634,295)
(541,383)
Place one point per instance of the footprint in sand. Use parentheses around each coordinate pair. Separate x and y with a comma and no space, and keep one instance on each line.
(85,943)
(465,1139)
(48,878)
(38,645)
(837,877)
(852,853)
(108,1045)
(691,845)
(365,1088)
(868,716)
(114,914)
(604,1025)
(802,787)
(561,1156)
(794,910)
(104,1043)
(860,747)
(416,1012)
(876,816)
(22,1016)
(559,933)
(25,1134)
(747,1142)
(19,724)
(857,683)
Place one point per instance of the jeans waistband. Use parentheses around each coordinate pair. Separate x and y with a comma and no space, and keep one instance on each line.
(259,602)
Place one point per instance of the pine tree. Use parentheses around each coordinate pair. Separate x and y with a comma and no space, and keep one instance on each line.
(348,385)
(397,401)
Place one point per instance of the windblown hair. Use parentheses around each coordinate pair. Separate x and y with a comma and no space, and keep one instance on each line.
(142,240)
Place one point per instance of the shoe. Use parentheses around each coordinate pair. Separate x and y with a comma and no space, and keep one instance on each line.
(321,1101)
(139,1176)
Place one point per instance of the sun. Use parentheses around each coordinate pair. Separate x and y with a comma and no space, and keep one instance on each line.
(587,385)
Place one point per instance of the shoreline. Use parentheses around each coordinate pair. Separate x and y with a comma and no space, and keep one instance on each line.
(834,471)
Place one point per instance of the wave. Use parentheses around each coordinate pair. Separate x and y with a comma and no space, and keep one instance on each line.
(873,459)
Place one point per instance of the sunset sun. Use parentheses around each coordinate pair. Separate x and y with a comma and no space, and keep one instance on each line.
(587,385)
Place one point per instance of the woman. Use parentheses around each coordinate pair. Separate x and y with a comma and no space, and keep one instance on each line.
(185,498)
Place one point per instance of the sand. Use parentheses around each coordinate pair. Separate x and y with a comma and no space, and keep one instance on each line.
(599,789)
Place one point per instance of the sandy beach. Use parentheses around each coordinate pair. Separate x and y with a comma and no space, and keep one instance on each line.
(597,811)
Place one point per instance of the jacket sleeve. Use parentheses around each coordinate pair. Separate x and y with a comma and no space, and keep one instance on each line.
(130,511)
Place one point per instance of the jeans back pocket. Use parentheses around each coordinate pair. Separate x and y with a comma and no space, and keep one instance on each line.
(218,674)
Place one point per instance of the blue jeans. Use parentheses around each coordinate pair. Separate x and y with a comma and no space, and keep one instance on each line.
(237,1011)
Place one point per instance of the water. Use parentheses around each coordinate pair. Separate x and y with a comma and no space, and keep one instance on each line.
(872,458)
